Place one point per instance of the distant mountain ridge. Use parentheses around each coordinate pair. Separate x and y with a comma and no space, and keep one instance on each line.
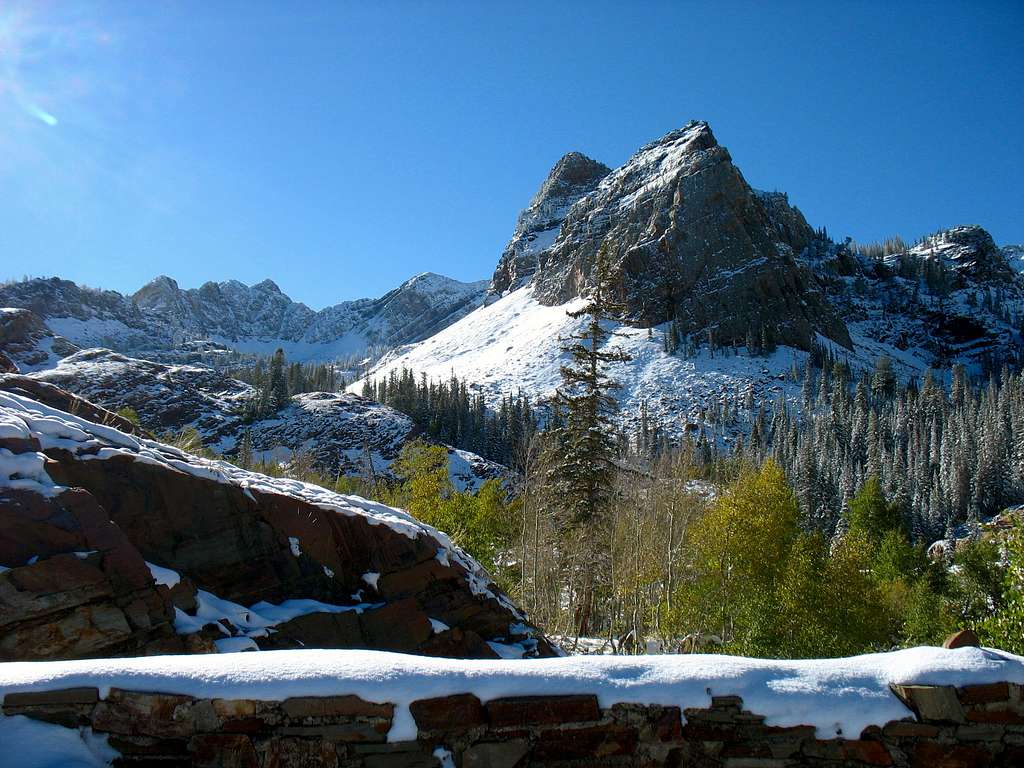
(161,316)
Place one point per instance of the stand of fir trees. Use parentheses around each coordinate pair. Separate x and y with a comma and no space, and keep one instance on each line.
(447,411)
(276,380)
(943,457)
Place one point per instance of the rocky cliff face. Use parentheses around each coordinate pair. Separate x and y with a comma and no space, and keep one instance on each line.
(574,176)
(112,544)
(28,343)
(688,239)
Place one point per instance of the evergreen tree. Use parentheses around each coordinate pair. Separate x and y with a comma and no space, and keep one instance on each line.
(278,381)
(583,467)
(583,472)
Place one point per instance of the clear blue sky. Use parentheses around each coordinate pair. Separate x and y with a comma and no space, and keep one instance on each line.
(339,148)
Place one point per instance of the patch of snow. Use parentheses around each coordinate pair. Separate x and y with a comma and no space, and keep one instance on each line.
(34,744)
(507,651)
(164,576)
(293,544)
(371,578)
(444,757)
(257,619)
(438,626)
(235,644)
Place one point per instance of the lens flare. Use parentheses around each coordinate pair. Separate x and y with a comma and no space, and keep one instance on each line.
(42,114)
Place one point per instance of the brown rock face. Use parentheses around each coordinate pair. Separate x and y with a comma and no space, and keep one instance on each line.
(26,341)
(78,585)
(688,239)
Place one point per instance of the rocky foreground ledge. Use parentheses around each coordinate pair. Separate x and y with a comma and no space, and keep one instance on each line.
(112,544)
(924,706)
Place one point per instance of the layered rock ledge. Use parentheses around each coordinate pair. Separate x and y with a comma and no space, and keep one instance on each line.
(112,544)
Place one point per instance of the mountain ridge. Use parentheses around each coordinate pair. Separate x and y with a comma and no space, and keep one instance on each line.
(257,318)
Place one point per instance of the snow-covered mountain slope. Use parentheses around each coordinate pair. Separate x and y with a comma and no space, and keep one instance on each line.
(160,317)
(513,345)
(336,432)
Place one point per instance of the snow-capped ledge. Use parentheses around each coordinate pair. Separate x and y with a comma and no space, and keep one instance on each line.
(838,697)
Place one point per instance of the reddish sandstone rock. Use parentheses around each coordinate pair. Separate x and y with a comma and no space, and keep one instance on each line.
(79,584)
(448,713)
(534,710)
(965,638)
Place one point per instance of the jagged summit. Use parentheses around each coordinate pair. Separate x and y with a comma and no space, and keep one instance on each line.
(687,237)
(161,316)
(572,177)
(267,286)
(573,170)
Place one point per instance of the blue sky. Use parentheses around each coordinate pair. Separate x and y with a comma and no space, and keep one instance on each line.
(339,148)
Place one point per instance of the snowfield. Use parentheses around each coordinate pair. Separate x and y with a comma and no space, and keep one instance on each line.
(836,696)
(514,344)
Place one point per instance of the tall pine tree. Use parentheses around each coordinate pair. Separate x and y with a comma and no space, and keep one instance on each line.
(583,469)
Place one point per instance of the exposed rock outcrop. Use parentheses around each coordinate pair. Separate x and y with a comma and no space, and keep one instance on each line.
(688,239)
(340,433)
(970,252)
(573,176)
(167,398)
(235,559)
(27,343)
(344,433)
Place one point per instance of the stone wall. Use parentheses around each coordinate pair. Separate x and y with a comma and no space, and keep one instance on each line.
(975,726)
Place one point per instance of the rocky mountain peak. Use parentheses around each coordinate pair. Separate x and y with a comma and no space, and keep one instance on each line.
(573,170)
(160,293)
(572,177)
(267,286)
(689,240)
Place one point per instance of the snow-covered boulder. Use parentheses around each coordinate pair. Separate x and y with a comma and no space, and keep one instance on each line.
(113,544)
